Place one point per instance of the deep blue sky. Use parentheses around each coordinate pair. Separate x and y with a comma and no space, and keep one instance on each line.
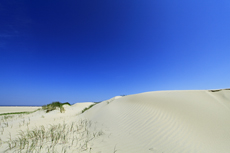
(92,50)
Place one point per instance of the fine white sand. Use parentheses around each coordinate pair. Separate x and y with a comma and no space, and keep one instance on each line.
(195,121)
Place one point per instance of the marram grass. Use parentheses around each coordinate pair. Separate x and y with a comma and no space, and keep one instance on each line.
(66,137)
(52,106)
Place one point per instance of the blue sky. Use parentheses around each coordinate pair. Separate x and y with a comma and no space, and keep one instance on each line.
(92,50)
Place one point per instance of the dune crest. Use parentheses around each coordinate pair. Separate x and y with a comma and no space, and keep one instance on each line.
(166,121)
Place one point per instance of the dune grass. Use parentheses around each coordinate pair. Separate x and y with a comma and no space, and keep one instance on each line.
(16,113)
(217,90)
(52,106)
(87,108)
(75,136)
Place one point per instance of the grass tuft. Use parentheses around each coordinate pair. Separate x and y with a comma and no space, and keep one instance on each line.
(14,113)
(54,137)
(52,106)
(89,107)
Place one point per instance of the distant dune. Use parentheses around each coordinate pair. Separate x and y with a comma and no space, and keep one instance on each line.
(193,121)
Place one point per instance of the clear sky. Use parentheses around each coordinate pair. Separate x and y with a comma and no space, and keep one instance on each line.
(92,50)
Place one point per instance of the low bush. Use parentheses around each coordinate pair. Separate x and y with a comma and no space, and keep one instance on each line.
(54,105)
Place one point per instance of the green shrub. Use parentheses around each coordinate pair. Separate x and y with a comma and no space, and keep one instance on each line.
(54,105)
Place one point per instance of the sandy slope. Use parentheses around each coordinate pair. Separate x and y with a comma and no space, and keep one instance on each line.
(159,122)
(166,121)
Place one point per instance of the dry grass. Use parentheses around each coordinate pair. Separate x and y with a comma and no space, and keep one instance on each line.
(67,137)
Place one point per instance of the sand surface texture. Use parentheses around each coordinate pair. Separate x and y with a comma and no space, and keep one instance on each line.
(151,122)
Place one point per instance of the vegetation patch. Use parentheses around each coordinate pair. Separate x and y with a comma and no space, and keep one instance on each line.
(73,137)
(215,90)
(15,113)
(219,90)
(54,105)
(89,107)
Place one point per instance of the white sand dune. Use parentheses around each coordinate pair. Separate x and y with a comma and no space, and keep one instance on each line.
(166,121)
(195,121)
